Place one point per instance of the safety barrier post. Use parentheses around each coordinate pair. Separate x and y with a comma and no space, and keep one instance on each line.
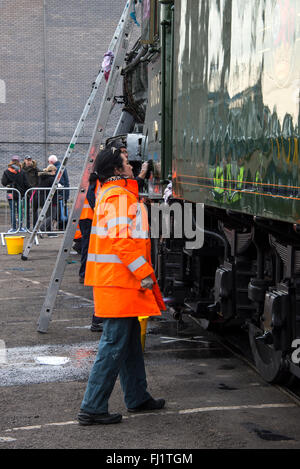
(11,204)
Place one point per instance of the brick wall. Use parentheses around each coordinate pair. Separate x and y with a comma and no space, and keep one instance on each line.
(50,53)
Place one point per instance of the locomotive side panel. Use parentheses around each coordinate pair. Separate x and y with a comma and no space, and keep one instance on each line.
(235,148)
(236,106)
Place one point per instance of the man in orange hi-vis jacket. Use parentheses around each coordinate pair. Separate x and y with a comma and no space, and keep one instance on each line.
(120,271)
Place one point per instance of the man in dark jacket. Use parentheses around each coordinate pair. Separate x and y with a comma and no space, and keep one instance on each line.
(15,178)
(46,179)
(62,214)
(64,180)
(30,167)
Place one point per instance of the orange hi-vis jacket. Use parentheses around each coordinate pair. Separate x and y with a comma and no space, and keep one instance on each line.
(78,234)
(87,211)
(119,255)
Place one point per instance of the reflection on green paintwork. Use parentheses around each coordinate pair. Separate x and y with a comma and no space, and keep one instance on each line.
(236,90)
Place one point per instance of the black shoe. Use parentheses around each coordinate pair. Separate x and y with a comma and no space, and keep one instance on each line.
(96,327)
(84,418)
(151,404)
(77,248)
(81,279)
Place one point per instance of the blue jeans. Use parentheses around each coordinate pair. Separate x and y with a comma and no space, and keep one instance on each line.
(120,353)
(14,213)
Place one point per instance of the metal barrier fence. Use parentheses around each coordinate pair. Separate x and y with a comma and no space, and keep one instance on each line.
(19,214)
(10,211)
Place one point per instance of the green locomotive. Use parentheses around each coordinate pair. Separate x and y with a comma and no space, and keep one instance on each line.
(217,89)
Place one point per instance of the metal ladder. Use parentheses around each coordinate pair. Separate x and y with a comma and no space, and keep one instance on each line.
(119,46)
(119,35)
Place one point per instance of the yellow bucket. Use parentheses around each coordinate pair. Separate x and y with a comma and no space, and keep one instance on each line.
(14,244)
(143,323)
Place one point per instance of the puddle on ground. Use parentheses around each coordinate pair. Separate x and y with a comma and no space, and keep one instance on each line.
(182,340)
(226,367)
(170,327)
(163,337)
(53,361)
(225,387)
(267,435)
(42,364)
(270,436)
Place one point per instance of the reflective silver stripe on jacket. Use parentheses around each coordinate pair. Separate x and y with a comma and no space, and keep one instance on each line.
(104,258)
(137,264)
(114,259)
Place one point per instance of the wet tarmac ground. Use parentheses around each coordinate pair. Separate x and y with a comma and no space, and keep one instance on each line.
(213,398)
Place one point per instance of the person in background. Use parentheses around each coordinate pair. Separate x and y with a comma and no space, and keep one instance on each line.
(46,179)
(85,225)
(77,240)
(64,180)
(14,177)
(85,221)
(31,169)
(124,286)
(29,166)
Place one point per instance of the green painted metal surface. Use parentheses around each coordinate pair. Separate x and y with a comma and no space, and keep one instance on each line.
(236,105)
(158,119)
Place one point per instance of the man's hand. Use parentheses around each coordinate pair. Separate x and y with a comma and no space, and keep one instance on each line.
(147,282)
(144,170)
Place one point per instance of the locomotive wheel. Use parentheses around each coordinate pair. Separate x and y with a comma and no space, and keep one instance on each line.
(269,362)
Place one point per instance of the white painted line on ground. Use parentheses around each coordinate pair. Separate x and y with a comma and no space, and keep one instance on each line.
(20,297)
(78,327)
(236,407)
(182,339)
(35,282)
(6,439)
(76,296)
(167,412)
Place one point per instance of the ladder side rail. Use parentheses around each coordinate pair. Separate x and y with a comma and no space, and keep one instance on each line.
(113,45)
(102,119)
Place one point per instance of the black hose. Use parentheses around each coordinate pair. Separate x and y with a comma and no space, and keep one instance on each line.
(136,61)
(213,234)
